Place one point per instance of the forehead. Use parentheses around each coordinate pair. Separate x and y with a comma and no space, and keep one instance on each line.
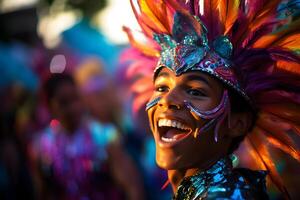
(187,76)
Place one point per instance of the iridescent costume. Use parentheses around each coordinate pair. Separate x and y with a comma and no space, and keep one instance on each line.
(252,47)
(221,181)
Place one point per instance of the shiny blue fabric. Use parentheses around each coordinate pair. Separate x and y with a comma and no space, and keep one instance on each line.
(222,181)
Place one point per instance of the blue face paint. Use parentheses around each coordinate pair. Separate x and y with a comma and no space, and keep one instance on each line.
(152,103)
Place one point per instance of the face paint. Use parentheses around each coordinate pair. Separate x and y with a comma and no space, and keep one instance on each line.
(216,115)
(152,103)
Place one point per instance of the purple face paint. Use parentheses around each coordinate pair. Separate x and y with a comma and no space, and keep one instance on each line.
(214,116)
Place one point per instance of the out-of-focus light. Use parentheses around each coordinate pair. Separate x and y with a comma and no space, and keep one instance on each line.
(54,123)
(111,20)
(50,27)
(117,14)
(11,5)
(58,64)
(235,160)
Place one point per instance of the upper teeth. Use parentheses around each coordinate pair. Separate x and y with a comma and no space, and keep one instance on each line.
(172,123)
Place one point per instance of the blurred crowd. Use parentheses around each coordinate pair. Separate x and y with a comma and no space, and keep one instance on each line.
(67,130)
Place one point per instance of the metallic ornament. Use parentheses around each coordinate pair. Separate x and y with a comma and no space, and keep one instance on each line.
(184,50)
(222,181)
(223,47)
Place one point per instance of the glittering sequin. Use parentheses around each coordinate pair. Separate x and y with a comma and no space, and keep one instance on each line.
(185,50)
(222,181)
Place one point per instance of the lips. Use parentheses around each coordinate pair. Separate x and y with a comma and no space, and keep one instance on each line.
(172,131)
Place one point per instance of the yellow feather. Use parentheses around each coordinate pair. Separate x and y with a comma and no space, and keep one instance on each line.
(150,18)
(292,42)
(228,13)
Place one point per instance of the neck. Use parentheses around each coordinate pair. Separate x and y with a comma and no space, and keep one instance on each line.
(176,176)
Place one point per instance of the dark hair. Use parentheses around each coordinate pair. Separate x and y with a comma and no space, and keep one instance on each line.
(240,105)
(54,82)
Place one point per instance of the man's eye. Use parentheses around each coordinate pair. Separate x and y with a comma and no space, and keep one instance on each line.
(195,92)
(161,88)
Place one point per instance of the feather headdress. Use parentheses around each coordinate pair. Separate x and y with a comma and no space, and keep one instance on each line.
(265,60)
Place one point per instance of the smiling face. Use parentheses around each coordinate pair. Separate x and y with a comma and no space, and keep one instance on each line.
(174,126)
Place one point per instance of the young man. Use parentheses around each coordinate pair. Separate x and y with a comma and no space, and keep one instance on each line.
(223,74)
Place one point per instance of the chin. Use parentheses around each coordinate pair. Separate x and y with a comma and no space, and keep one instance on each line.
(165,165)
(168,162)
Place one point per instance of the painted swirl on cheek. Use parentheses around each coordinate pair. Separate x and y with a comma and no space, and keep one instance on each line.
(214,116)
(152,103)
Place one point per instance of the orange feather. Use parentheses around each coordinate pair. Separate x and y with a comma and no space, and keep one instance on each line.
(263,153)
(292,42)
(151,19)
(148,51)
(263,14)
(229,10)
(280,144)
(292,152)
(275,129)
(148,32)
(159,9)
(293,67)
(287,112)
(280,37)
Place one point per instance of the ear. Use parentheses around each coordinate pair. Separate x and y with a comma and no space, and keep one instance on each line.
(240,124)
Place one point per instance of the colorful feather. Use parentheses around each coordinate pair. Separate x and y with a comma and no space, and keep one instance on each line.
(293,67)
(140,46)
(262,152)
(274,39)
(265,61)
(176,6)
(229,10)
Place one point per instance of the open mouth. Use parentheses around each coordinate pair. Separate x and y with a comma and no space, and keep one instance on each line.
(172,130)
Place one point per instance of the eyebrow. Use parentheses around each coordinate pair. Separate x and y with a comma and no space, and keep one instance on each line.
(197,78)
(162,74)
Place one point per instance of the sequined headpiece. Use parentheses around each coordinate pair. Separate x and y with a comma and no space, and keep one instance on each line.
(251,46)
(188,51)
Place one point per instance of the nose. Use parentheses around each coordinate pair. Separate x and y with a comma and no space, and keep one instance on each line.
(171,100)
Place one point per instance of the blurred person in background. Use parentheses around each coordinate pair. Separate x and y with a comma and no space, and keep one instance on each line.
(75,157)
(15,179)
(99,92)
(21,55)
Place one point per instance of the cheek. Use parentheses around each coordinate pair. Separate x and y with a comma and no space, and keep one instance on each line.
(151,113)
(204,105)
(182,156)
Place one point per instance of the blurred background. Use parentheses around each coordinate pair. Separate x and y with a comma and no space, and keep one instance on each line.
(67,130)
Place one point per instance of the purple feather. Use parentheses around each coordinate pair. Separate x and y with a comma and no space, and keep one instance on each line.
(258,33)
